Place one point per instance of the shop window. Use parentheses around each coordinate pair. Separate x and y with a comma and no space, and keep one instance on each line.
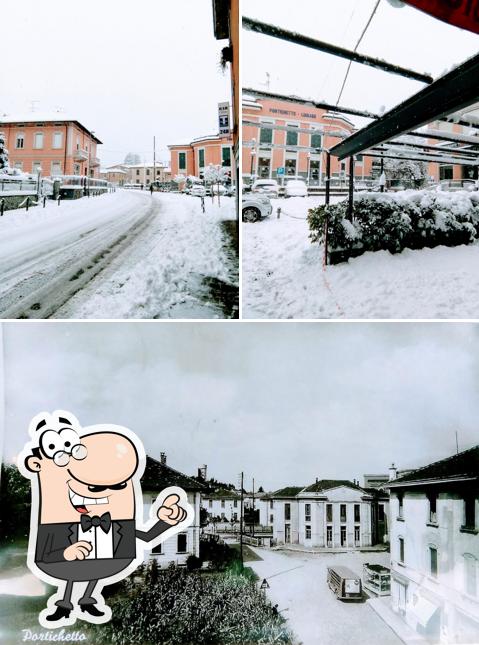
(316,140)
(265,135)
(291,136)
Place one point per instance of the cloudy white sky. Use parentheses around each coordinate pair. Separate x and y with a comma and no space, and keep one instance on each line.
(284,402)
(127,70)
(404,36)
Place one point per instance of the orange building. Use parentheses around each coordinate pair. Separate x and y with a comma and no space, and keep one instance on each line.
(265,149)
(192,158)
(52,143)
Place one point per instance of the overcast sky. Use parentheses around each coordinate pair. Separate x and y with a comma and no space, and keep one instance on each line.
(126,69)
(284,402)
(404,36)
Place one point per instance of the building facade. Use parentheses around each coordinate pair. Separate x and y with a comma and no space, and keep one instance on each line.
(295,146)
(446,171)
(50,144)
(328,513)
(191,159)
(222,504)
(435,548)
(158,476)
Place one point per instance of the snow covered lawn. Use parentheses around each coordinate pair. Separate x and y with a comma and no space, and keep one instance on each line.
(283,276)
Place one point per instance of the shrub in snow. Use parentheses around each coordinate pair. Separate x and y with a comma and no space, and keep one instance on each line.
(3,154)
(393,222)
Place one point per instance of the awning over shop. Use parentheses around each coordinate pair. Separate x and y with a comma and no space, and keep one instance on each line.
(424,610)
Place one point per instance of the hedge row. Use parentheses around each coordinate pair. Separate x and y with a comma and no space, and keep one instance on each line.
(395,221)
(175,607)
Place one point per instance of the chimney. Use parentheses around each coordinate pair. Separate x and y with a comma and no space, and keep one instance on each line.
(163,458)
(393,471)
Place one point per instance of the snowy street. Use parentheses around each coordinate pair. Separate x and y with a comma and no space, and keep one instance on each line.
(283,275)
(126,254)
(298,585)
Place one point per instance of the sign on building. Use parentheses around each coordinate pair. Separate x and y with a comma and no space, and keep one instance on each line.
(224,117)
(280,170)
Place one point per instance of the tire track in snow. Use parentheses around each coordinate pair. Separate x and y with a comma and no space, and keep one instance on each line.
(52,278)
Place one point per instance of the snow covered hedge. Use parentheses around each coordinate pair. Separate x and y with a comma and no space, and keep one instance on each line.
(395,221)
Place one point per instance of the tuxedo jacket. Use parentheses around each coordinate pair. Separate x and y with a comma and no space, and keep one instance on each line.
(53,539)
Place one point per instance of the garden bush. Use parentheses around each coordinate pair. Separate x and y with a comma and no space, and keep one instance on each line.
(395,221)
(184,608)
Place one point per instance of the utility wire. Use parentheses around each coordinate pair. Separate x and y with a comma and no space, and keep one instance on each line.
(355,48)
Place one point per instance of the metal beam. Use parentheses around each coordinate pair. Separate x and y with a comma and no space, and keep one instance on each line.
(450,93)
(435,148)
(319,45)
(316,104)
(386,155)
(458,138)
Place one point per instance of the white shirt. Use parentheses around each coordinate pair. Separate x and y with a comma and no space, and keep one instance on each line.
(101,542)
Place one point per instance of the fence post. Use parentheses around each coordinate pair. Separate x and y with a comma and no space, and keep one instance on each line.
(278,212)
(28,203)
(2,206)
(44,201)
(59,198)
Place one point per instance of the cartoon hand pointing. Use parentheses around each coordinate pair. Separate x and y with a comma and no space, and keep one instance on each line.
(170,512)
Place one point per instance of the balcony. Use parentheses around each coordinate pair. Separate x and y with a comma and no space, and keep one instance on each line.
(80,155)
(94,162)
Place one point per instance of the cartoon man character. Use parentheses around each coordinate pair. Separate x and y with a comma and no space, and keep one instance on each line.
(86,498)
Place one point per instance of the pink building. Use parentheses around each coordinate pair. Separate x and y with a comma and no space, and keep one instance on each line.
(192,158)
(51,143)
(273,152)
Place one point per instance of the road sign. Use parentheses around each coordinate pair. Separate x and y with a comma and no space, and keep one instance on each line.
(280,170)
(264,584)
(224,117)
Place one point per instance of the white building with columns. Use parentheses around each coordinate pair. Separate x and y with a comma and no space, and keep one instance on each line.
(329,513)
(434,524)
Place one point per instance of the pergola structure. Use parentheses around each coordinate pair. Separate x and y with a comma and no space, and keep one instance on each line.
(393,134)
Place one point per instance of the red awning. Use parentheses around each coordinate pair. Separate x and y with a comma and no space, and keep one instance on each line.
(460,13)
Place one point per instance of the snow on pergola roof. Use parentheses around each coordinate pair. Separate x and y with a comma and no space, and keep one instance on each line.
(447,98)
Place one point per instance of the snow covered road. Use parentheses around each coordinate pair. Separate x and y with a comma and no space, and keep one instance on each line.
(283,276)
(126,254)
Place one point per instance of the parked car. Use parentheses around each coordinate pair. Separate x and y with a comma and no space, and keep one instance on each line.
(256,207)
(266,187)
(198,191)
(230,190)
(295,188)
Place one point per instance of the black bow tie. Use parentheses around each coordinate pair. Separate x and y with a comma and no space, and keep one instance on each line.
(104,522)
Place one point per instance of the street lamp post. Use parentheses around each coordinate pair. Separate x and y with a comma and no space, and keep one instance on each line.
(309,166)
(253,156)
